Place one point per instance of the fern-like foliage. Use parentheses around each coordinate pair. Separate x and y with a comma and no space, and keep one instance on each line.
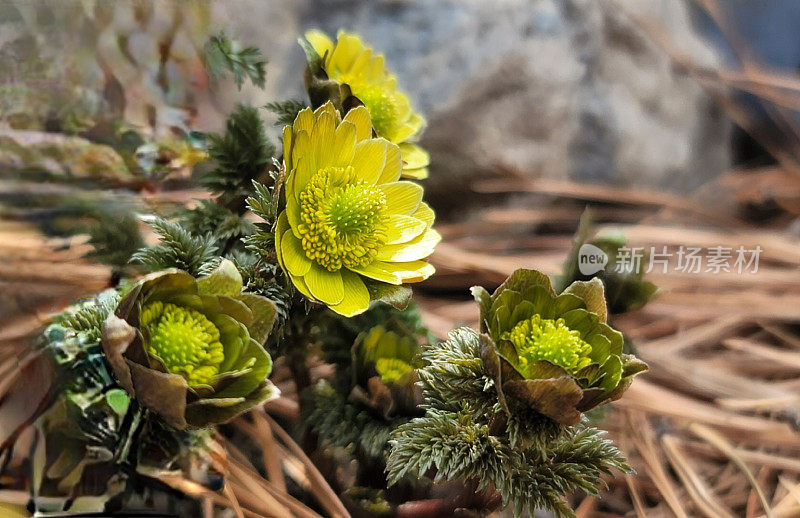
(532,461)
(86,319)
(349,426)
(263,203)
(242,154)
(286,111)
(178,249)
(114,238)
(222,55)
(211,218)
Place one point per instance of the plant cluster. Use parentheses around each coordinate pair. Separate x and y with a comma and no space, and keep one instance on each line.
(309,248)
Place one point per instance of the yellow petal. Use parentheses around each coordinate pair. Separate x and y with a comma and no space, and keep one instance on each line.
(304,121)
(325,108)
(414,156)
(389,83)
(402,197)
(394,165)
(359,116)
(418,248)
(348,48)
(345,144)
(287,147)
(415,174)
(294,257)
(362,60)
(401,229)
(379,271)
(409,128)
(325,285)
(411,271)
(320,41)
(305,165)
(375,69)
(322,140)
(402,106)
(425,213)
(293,214)
(396,273)
(369,158)
(301,286)
(281,226)
(356,295)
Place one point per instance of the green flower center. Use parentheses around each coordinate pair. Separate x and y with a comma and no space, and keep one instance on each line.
(382,106)
(185,341)
(342,219)
(391,369)
(540,338)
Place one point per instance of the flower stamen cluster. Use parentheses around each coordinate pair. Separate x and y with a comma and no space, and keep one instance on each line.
(342,219)
(185,341)
(383,106)
(540,338)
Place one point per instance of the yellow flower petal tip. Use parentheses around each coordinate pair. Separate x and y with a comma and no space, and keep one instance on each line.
(350,227)
(350,62)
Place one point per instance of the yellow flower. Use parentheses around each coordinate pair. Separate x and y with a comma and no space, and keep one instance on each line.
(350,62)
(350,228)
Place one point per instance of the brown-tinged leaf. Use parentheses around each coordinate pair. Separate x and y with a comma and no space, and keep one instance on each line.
(211,411)
(117,336)
(396,296)
(593,293)
(523,279)
(484,303)
(162,392)
(555,398)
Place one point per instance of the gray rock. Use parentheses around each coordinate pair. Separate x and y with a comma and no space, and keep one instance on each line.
(25,151)
(567,89)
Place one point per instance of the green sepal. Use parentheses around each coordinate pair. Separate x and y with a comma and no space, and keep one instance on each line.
(396,296)
(523,279)
(593,294)
(224,280)
(556,398)
(484,300)
(264,313)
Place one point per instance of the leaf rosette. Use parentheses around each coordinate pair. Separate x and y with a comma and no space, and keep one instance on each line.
(191,349)
(552,353)
(347,69)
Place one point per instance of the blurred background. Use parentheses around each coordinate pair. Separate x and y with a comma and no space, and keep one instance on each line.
(675,121)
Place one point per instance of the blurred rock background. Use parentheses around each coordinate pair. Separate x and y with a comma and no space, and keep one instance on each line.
(568,89)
